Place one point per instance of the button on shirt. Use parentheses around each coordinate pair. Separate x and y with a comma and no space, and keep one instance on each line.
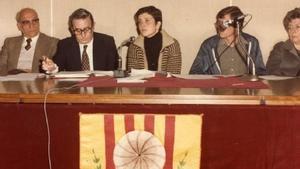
(89,51)
(233,60)
(26,56)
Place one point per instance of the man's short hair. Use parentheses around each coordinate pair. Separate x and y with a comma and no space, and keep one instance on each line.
(292,14)
(79,14)
(151,10)
(18,15)
(233,11)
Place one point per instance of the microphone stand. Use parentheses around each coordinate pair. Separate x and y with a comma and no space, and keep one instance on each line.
(250,77)
(119,73)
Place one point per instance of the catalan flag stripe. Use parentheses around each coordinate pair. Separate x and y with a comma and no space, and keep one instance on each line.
(149,123)
(169,141)
(109,139)
(129,123)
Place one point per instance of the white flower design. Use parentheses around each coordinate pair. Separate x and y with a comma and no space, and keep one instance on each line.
(139,150)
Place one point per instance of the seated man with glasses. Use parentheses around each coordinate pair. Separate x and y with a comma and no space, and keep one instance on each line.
(24,53)
(85,50)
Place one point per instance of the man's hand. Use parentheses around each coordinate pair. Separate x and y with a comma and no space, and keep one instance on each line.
(48,65)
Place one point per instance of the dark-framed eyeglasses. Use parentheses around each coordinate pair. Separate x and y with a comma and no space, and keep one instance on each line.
(28,22)
(78,31)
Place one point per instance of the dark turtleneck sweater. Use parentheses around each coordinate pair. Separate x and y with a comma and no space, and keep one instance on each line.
(153,46)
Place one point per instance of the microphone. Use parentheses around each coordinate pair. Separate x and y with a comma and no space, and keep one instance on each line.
(128,41)
(241,17)
(253,77)
(120,72)
(234,21)
(249,77)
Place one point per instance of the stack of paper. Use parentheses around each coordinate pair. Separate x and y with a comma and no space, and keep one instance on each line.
(81,74)
(22,77)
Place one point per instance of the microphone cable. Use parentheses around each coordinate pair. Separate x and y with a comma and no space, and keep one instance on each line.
(247,22)
(219,56)
(247,53)
(47,120)
(244,50)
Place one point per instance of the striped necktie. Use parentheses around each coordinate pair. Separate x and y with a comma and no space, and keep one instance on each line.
(28,46)
(85,65)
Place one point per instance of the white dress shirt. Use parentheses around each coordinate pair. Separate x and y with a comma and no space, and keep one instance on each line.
(89,51)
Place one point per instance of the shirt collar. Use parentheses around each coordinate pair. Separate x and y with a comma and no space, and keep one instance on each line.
(242,39)
(89,44)
(33,39)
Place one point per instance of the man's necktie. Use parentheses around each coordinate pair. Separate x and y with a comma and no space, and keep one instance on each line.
(85,65)
(28,46)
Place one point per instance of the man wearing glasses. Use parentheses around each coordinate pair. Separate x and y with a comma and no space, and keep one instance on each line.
(85,50)
(24,53)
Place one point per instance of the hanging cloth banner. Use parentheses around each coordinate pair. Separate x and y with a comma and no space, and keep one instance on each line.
(140,141)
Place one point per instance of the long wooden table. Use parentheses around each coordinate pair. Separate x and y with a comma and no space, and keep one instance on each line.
(243,128)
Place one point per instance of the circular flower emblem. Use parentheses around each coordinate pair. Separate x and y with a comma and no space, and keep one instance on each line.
(139,150)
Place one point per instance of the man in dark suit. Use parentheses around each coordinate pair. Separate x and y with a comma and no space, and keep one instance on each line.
(23,53)
(85,50)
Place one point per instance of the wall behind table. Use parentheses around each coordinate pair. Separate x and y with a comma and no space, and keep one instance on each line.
(190,21)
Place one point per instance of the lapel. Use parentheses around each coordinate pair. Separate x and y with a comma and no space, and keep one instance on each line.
(38,52)
(75,56)
(139,41)
(97,48)
(16,50)
(290,46)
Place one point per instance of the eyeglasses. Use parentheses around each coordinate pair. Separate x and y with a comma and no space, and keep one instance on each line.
(294,28)
(78,31)
(28,22)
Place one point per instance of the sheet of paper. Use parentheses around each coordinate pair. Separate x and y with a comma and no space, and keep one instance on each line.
(22,77)
(195,76)
(134,79)
(273,77)
(81,74)
(142,72)
(137,76)
(124,80)
(102,73)
(71,79)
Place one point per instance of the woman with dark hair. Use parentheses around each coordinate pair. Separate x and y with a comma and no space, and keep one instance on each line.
(284,59)
(153,49)
(231,51)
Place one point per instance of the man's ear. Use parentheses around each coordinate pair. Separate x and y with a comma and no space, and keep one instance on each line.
(94,26)
(19,26)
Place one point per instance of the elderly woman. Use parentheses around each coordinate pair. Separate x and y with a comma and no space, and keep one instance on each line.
(153,49)
(284,59)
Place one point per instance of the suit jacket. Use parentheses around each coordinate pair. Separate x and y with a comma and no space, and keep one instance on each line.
(10,53)
(105,54)
(284,60)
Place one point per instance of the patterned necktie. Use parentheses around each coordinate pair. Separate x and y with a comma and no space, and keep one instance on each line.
(28,46)
(85,65)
